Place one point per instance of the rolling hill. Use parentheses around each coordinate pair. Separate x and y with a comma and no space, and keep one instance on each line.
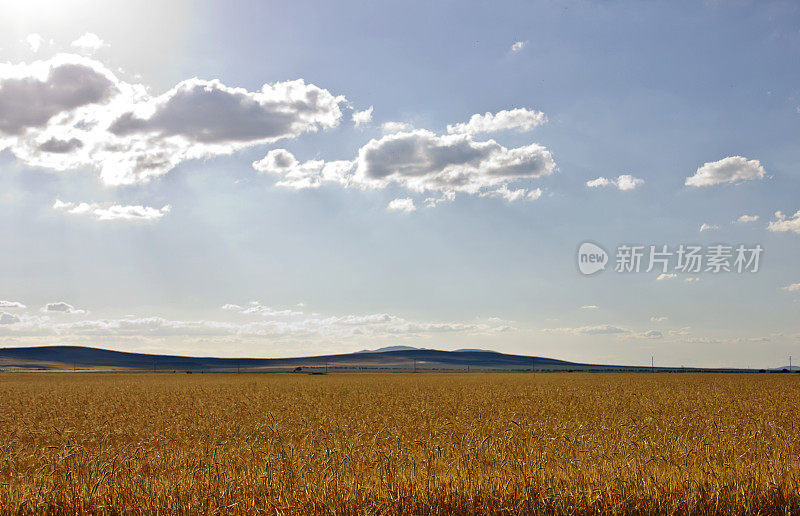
(49,358)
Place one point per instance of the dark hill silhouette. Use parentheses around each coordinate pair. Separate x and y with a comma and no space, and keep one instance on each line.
(76,357)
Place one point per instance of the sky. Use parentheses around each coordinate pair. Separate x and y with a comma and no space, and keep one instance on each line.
(273,179)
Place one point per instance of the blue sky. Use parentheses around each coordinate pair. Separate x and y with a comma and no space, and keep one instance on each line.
(135,218)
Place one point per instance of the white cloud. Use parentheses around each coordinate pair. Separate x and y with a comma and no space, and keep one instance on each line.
(309,174)
(589,307)
(34,41)
(520,119)
(406,205)
(792,287)
(782,223)
(89,42)
(708,227)
(733,169)
(514,195)
(62,308)
(692,279)
(395,127)
(421,161)
(107,212)
(7,318)
(666,276)
(661,318)
(256,321)
(621,182)
(602,329)
(11,304)
(744,219)
(518,46)
(71,112)
(362,117)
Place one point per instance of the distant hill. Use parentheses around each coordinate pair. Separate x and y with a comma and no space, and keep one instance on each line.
(396,358)
(389,348)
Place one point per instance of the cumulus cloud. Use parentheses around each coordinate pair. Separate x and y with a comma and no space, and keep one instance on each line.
(744,219)
(661,318)
(72,112)
(782,223)
(362,117)
(422,161)
(520,119)
(89,42)
(309,174)
(62,308)
(518,46)
(405,205)
(108,212)
(621,182)
(794,287)
(691,279)
(11,304)
(7,318)
(666,276)
(708,227)
(733,169)
(395,127)
(31,95)
(589,307)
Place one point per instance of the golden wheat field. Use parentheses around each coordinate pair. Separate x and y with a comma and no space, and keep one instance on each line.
(399,443)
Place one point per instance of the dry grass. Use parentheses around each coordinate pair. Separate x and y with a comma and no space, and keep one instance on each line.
(399,443)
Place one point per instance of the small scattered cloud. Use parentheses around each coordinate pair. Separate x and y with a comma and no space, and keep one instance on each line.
(734,169)
(794,287)
(708,227)
(666,276)
(660,318)
(691,279)
(520,119)
(589,307)
(651,334)
(34,41)
(395,127)
(601,329)
(362,117)
(11,304)
(61,307)
(518,46)
(109,212)
(405,205)
(782,223)
(622,182)
(7,318)
(744,219)
(89,42)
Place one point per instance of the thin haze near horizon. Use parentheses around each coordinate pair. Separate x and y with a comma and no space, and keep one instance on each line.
(291,179)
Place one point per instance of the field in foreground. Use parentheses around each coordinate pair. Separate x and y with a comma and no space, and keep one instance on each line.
(400,443)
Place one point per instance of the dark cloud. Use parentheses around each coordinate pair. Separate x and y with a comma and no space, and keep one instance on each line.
(30,102)
(209,112)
